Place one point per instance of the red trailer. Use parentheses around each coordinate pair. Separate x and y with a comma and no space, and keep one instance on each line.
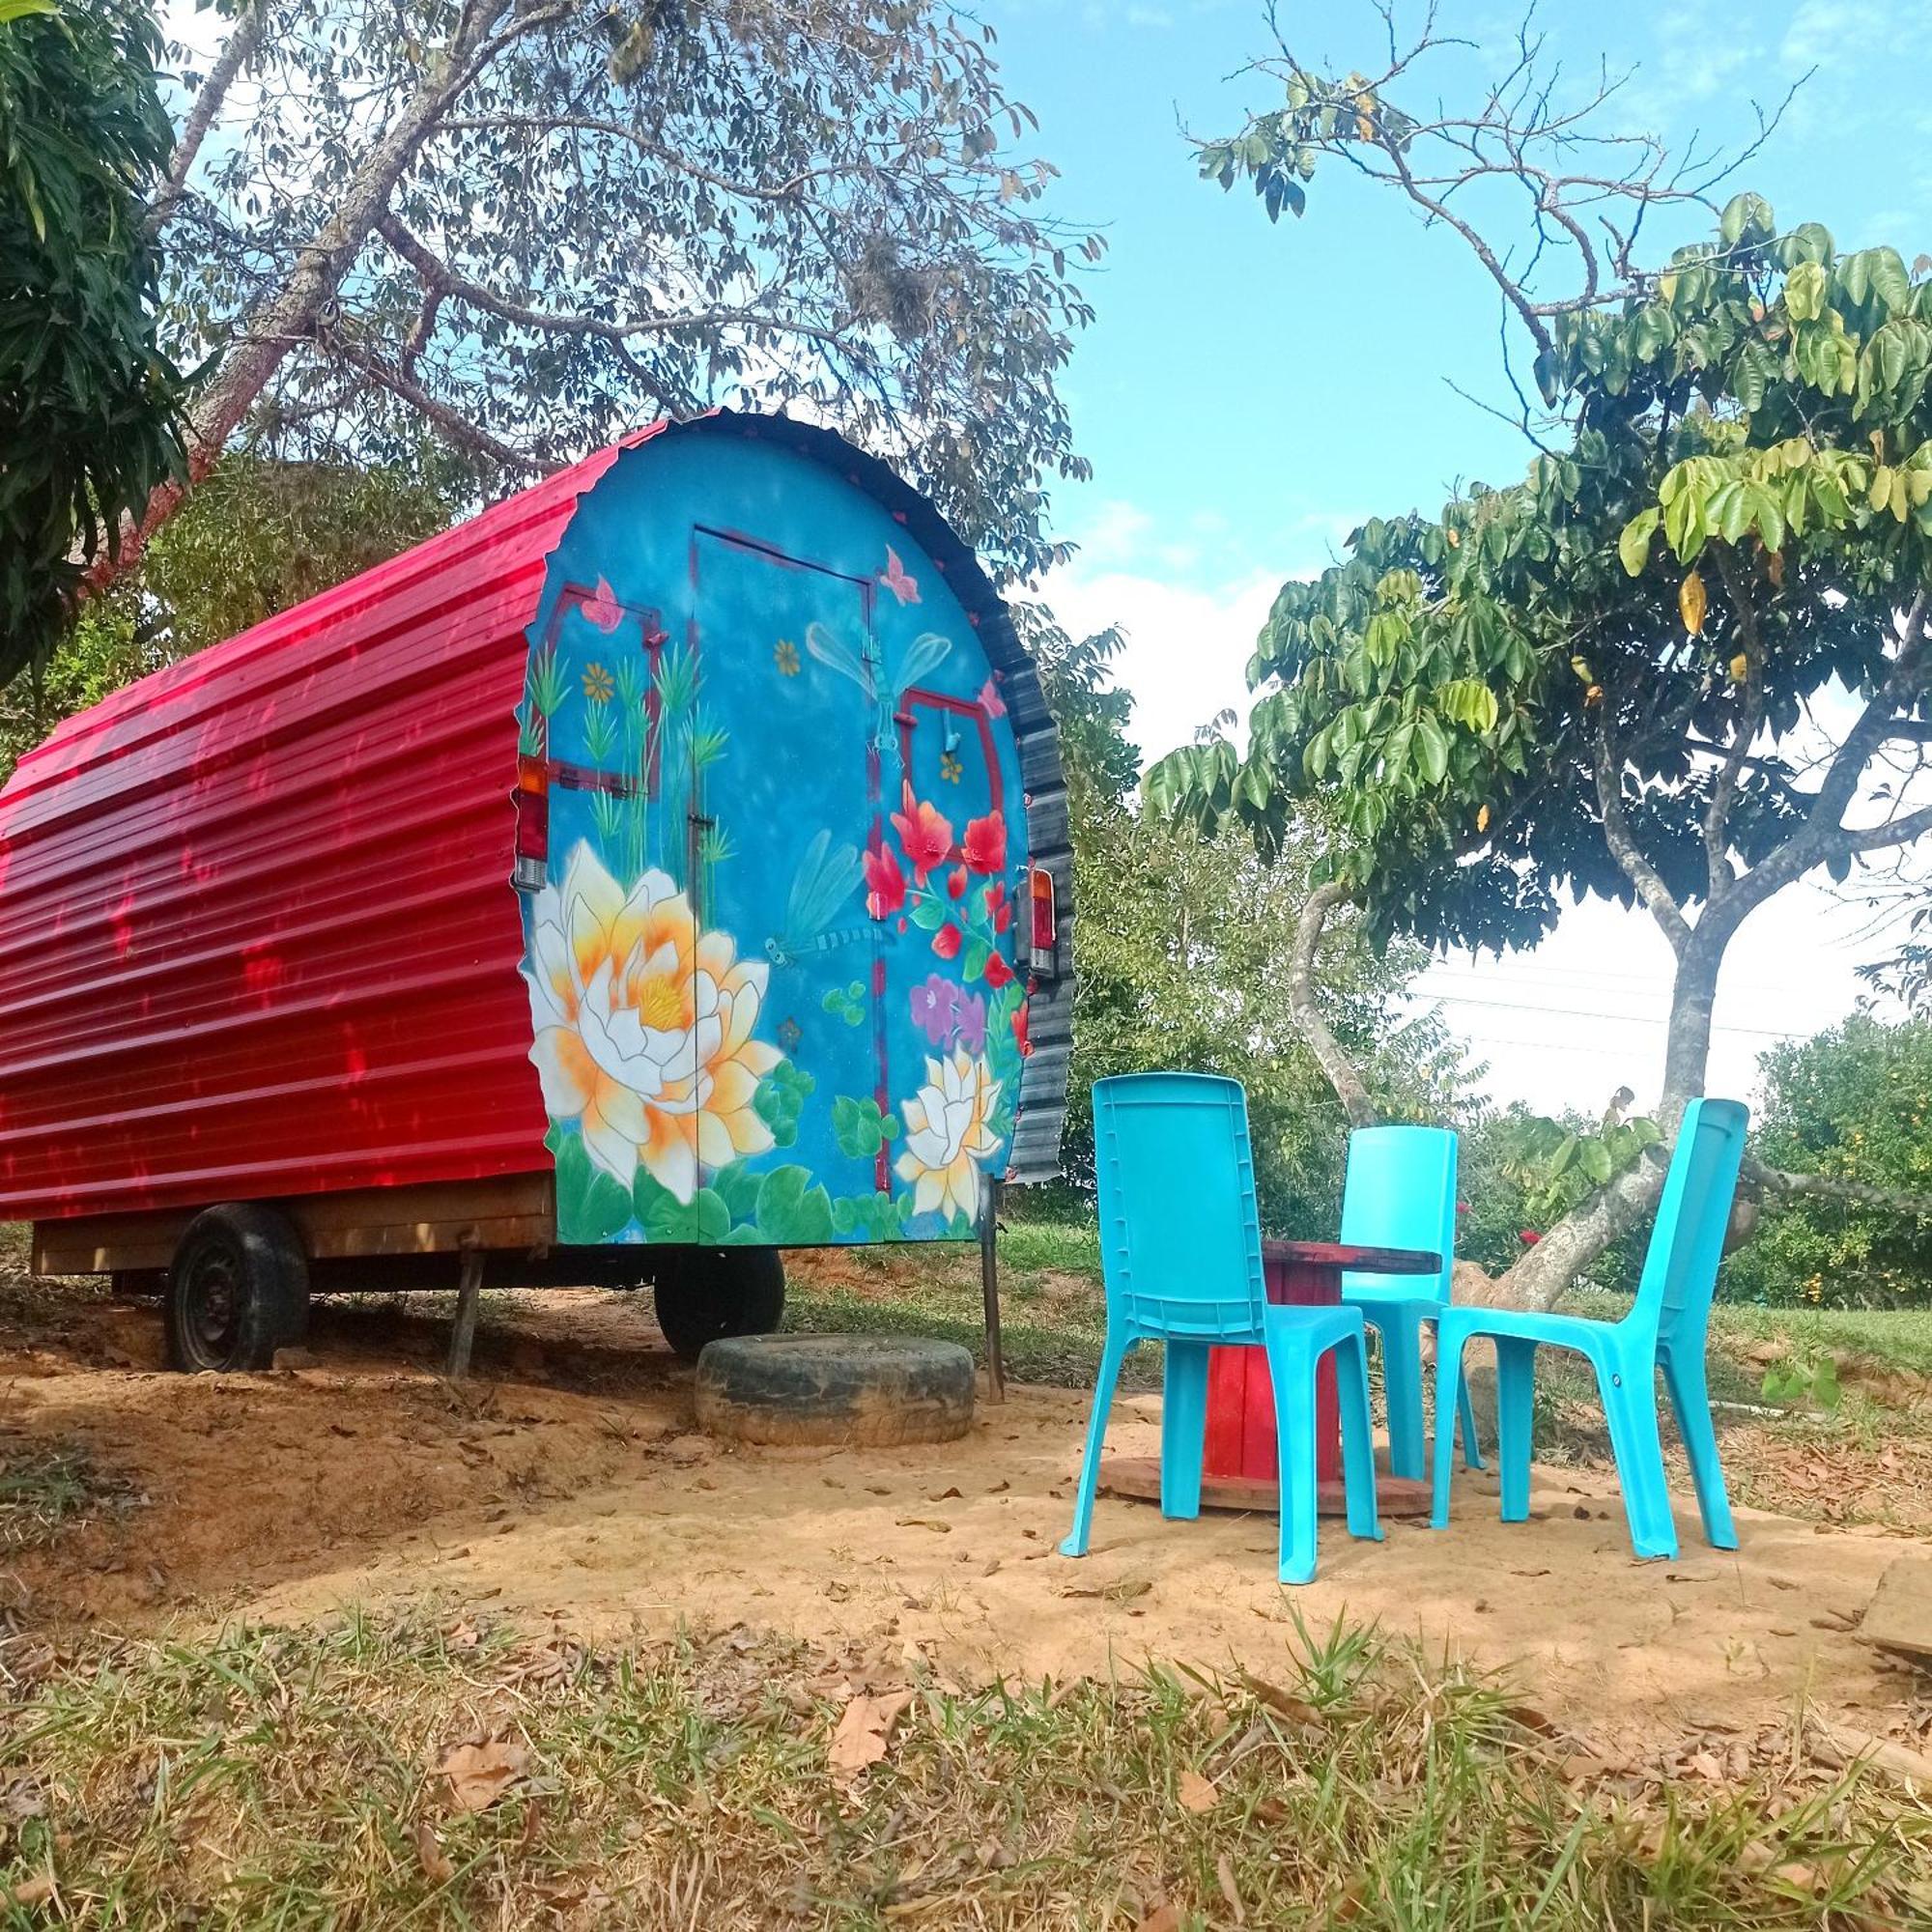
(272,1012)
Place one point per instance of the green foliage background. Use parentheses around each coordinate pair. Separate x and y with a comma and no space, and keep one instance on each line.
(1854,1102)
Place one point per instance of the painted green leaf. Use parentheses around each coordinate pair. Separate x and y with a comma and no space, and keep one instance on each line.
(662,1215)
(780,1100)
(590,1206)
(710,1216)
(792,1211)
(737,1187)
(857,1127)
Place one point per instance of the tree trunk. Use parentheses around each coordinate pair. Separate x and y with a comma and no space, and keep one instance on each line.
(1548,1269)
(291,313)
(1327,1050)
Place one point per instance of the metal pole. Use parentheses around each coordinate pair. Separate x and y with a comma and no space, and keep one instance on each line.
(464,1333)
(989,1288)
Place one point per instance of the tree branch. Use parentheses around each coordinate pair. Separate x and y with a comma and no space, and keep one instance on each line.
(1636,869)
(236,54)
(1830,1187)
(1327,1050)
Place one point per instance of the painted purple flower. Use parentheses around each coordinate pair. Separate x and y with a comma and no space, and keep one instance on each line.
(970,1019)
(935,1007)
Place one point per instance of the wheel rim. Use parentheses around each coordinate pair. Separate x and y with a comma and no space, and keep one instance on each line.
(211,1304)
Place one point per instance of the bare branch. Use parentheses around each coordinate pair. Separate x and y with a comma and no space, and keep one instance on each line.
(236,54)
(1617,835)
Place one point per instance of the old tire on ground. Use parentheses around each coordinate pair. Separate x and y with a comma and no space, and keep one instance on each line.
(238,1290)
(858,1390)
(705,1295)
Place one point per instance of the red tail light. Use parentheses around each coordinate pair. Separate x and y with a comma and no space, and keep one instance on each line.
(532,844)
(1045,933)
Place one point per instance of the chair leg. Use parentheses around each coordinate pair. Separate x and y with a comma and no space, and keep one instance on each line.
(1358,1438)
(1465,1418)
(1184,1427)
(1629,1405)
(1450,1394)
(1112,1356)
(1691,1398)
(1292,1369)
(1516,1410)
(1401,1332)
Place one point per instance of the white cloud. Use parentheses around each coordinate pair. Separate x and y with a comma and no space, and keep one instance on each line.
(1187,650)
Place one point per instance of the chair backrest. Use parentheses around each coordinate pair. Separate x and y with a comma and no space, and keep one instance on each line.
(1400,1193)
(1680,1267)
(1180,1246)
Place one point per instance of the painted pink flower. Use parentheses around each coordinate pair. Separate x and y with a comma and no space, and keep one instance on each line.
(934,1007)
(999,906)
(998,973)
(990,701)
(985,843)
(885,883)
(926,835)
(1021,1035)
(955,882)
(969,1021)
(946,941)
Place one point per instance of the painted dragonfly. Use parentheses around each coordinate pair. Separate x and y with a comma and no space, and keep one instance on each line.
(826,878)
(924,655)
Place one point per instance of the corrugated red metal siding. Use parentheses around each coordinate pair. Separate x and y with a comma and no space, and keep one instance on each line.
(256,932)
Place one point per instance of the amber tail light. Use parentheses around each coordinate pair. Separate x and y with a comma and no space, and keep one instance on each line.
(533,847)
(1045,929)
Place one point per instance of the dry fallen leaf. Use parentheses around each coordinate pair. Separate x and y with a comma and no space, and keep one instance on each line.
(1224,1873)
(429,1855)
(1162,1918)
(479,1774)
(864,1729)
(1282,1703)
(34,1891)
(1196,1793)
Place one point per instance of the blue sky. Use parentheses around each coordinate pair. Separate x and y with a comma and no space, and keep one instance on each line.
(1247,394)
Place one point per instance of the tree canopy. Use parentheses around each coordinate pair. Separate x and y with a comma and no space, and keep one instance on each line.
(88,406)
(530,224)
(1685,662)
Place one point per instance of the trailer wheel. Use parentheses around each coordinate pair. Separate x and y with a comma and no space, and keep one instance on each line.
(238,1290)
(705,1295)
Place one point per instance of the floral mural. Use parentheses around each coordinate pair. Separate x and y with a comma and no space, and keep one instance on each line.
(772,991)
(643,1028)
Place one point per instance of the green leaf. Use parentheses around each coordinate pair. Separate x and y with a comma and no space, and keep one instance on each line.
(1805,292)
(662,1215)
(591,1205)
(793,1211)
(1431,749)
(1593,1158)
(1634,545)
(737,1187)
(710,1216)
(1746,218)
(857,1127)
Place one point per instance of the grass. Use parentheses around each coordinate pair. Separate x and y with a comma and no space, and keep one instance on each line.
(46,1490)
(293,1779)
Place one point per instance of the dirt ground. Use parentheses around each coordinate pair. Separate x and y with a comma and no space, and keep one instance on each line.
(565,1483)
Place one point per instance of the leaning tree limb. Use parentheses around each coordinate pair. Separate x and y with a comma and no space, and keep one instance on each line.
(1329,1051)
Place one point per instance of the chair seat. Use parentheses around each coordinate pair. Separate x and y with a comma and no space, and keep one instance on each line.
(1525,1324)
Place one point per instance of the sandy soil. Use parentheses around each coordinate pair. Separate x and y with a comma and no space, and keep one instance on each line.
(564,1482)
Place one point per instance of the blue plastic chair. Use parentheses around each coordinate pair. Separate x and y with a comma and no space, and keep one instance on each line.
(1180,1251)
(1400,1193)
(1665,1329)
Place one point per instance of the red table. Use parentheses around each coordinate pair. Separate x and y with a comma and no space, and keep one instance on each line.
(1239,1466)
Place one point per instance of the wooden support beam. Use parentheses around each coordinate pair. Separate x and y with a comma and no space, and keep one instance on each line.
(464,1332)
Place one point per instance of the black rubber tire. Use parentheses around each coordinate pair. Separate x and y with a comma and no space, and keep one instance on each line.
(855,1390)
(707,1295)
(238,1290)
